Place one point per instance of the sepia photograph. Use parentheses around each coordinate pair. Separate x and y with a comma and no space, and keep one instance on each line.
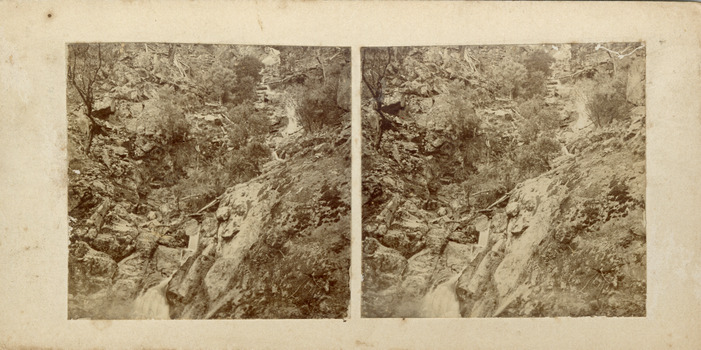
(208,181)
(350,175)
(504,181)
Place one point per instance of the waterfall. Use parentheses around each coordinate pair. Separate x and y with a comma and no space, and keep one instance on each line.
(442,300)
(152,304)
(292,121)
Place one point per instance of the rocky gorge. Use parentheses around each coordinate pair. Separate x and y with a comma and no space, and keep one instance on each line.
(204,182)
(537,209)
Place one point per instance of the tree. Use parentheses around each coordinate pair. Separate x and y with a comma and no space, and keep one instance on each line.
(85,62)
(374,69)
(539,61)
(509,76)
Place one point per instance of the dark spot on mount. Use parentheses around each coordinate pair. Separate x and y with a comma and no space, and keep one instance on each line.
(49,15)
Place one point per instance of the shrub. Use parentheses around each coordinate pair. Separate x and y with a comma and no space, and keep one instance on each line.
(232,83)
(509,77)
(539,119)
(539,61)
(463,126)
(220,82)
(534,158)
(534,85)
(605,107)
(608,101)
(249,67)
(248,123)
(171,120)
(318,108)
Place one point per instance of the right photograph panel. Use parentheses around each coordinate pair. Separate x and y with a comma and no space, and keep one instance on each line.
(504,181)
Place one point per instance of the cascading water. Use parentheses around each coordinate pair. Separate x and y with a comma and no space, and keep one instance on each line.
(442,302)
(152,304)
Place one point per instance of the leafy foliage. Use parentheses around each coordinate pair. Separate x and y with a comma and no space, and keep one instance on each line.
(509,76)
(539,61)
(608,103)
(172,122)
(463,124)
(318,108)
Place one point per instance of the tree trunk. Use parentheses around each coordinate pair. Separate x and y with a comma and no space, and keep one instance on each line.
(323,71)
(91,133)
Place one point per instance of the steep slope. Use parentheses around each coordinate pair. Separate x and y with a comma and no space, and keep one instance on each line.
(537,214)
(187,207)
(281,249)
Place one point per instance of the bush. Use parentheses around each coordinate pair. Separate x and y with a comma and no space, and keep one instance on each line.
(607,101)
(249,67)
(535,85)
(220,82)
(463,126)
(539,119)
(171,121)
(534,158)
(318,108)
(606,107)
(509,77)
(232,83)
(539,61)
(248,123)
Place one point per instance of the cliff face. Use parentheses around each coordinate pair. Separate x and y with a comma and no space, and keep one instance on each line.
(567,239)
(188,206)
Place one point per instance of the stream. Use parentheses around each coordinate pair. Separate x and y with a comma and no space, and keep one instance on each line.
(152,304)
(441,302)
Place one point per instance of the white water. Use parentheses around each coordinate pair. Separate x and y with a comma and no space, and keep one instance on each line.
(292,122)
(442,301)
(152,304)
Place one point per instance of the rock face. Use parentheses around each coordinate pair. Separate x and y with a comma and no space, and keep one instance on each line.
(282,248)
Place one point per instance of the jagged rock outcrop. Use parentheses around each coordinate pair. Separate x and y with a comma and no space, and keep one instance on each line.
(282,247)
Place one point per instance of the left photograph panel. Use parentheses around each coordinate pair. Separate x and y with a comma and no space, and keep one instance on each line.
(208,181)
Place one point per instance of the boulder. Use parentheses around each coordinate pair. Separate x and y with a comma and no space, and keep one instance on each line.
(406,242)
(146,243)
(384,267)
(168,211)
(419,270)
(117,238)
(167,260)
(481,223)
(89,271)
(464,236)
(209,226)
(458,255)
(223,213)
(216,282)
(191,227)
(518,226)
(129,277)
(499,222)
(512,209)
(188,278)
(435,239)
(98,216)
(236,215)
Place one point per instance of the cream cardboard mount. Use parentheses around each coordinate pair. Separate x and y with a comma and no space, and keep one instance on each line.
(33,37)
